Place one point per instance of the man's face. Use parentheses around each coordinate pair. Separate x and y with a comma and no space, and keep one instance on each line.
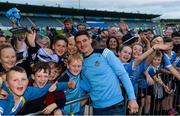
(68,25)
(83,43)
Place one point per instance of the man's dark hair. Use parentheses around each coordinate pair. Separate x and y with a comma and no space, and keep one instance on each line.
(83,32)
(176,34)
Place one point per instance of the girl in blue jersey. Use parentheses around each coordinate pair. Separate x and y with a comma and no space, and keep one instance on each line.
(137,65)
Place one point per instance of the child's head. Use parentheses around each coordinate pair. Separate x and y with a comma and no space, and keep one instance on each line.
(40,74)
(71,47)
(55,70)
(3,76)
(157,40)
(137,50)
(125,53)
(155,58)
(7,56)
(17,80)
(168,41)
(74,63)
(60,45)
(68,24)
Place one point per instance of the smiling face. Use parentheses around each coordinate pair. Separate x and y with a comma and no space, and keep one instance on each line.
(83,42)
(7,58)
(60,47)
(125,54)
(71,48)
(40,78)
(156,61)
(113,43)
(137,51)
(17,82)
(75,67)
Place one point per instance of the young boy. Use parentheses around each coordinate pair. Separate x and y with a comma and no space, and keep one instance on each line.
(20,93)
(74,66)
(49,103)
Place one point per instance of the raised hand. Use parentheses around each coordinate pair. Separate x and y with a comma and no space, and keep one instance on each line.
(71,84)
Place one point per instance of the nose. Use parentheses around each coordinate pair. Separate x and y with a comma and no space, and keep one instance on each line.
(20,82)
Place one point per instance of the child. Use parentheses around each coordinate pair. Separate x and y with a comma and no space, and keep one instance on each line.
(3,93)
(168,78)
(153,72)
(40,77)
(74,66)
(20,93)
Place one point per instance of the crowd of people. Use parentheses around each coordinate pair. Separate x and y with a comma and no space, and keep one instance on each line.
(41,70)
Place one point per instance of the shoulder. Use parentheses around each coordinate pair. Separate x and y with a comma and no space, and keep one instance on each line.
(64,78)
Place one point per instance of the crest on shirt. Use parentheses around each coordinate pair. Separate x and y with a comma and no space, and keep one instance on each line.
(97,63)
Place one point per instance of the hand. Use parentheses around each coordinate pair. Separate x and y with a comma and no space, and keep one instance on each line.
(31,35)
(150,81)
(49,51)
(71,84)
(49,108)
(53,87)
(3,94)
(133,106)
(167,90)
(161,46)
(58,112)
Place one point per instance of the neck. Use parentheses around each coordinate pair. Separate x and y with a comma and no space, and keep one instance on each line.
(89,52)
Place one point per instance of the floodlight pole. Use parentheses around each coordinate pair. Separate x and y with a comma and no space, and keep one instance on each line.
(79,3)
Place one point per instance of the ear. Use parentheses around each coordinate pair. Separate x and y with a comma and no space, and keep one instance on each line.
(67,66)
(32,76)
(7,84)
(90,40)
(53,46)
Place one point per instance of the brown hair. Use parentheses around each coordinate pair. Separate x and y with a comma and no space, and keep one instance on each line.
(157,53)
(15,68)
(41,66)
(3,46)
(56,66)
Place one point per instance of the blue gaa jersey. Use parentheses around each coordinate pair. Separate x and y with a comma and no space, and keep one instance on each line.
(101,73)
(72,94)
(31,93)
(172,58)
(177,62)
(136,74)
(166,61)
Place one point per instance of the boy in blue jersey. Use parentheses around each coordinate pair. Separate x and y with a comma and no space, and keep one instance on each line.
(19,93)
(74,67)
(102,72)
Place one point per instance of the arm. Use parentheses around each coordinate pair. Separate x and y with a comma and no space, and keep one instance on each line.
(147,53)
(174,72)
(31,35)
(169,66)
(150,81)
(49,108)
(120,72)
(32,93)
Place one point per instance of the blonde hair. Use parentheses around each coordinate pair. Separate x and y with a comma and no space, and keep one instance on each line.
(74,57)
(156,40)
